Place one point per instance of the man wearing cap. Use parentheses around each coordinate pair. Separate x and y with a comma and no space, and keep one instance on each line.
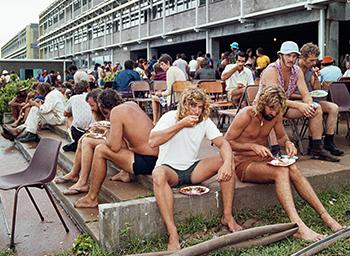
(235,49)
(329,72)
(309,55)
(285,73)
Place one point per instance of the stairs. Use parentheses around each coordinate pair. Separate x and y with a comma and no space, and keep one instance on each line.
(130,206)
(112,191)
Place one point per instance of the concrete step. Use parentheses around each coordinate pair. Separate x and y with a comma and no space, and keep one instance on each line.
(85,219)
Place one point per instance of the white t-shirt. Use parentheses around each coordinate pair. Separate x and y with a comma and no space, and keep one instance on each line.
(81,111)
(245,77)
(181,64)
(181,151)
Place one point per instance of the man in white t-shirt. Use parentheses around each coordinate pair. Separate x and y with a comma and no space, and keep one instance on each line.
(237,77)
(172,74)
(182,64)
(179,134)
(81,114)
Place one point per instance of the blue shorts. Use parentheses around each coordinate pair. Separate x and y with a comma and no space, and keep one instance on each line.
(184,175)
(143,165)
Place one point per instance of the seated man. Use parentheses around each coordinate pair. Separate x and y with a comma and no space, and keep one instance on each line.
(93,137)
(123,78)
(49,112)
(18,102)
(79,110)
(285,73)
(126,146)
(237,77)
(179,135)
(309,55)
(248,134)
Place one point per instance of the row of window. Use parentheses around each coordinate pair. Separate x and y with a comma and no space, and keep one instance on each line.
(135,14)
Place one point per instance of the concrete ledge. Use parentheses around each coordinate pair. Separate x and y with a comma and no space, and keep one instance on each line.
(143,219)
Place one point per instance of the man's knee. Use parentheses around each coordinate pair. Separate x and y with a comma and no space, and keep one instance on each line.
(294,172)
(101,150)
(159,177)
(318,113)
(282,172)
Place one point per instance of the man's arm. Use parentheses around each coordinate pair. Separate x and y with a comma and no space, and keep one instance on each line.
(115,137)
(283,139)
(225,171)
(226,74)
(239,124)
(302,87)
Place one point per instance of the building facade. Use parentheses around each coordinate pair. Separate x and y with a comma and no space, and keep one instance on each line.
(24,45)
(94,31)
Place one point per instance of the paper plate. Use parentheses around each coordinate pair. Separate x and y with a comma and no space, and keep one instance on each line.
(283,162)
(292,157)
(194,190)
(318,93)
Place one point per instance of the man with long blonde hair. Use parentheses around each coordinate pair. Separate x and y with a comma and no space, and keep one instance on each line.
(248,134)
(179,135)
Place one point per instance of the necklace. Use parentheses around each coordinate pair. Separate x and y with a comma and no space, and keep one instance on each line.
(261,121)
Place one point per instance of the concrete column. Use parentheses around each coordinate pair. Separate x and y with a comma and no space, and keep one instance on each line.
(215,50)
(332,39)
(208,43)
(149,54)
(322,32)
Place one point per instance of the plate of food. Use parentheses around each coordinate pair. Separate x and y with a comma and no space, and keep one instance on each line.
(318,93)
(194,190)
(292,157)
(282,162)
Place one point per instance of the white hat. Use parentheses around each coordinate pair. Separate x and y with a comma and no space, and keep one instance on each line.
(289,47)
(5,72)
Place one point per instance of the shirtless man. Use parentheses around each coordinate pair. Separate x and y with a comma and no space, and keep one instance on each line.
(309,55)
(179,135)
(248,135)
(126,146)
(286,74)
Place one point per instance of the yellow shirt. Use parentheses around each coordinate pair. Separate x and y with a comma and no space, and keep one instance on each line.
(262,62)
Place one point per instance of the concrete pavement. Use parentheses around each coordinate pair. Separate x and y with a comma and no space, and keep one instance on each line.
(32,237)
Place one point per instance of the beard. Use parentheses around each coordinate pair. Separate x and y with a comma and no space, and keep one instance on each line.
(266,116)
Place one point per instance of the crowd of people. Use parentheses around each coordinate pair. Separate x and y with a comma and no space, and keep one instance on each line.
(104,125)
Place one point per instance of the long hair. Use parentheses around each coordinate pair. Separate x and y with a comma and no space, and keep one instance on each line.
(271,96)
(189,97)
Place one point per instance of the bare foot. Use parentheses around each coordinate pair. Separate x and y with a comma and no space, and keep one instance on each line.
(230,223)
(331,223)
(121,176)
(86,202)
(173,243)
(76,189)
(68,178)
(308,234)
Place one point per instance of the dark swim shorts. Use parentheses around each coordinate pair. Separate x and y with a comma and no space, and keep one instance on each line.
(184,175)
(143,165)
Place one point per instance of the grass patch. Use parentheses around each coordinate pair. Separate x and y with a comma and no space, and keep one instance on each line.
(198,229)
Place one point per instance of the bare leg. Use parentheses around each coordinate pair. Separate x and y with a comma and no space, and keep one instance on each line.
(260,172)
(308,194)
(88,146)
(207,168)
(332,110)
(163,179)
(123,159)
(155,109)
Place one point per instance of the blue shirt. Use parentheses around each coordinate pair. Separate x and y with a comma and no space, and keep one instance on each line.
(330,73)
(123,78)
